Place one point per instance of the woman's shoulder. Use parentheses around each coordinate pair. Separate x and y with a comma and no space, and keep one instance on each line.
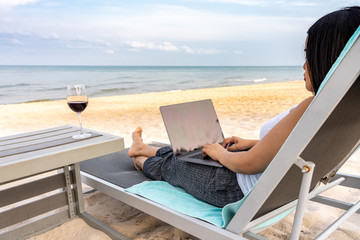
(307,101)
(304,104)
(301,107)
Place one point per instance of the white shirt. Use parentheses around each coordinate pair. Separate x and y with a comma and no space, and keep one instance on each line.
(248,181)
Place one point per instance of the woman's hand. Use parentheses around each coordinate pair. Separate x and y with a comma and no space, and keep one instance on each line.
(215,151)
(218,152)
(237,143)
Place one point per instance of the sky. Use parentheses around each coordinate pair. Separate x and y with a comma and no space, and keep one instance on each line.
(156,32)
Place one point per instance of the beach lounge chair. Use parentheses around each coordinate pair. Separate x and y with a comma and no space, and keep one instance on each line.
(306,165)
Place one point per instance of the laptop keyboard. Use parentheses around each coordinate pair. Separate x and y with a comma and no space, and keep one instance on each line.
(200,156)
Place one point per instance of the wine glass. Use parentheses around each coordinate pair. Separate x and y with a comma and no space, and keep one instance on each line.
(77,100)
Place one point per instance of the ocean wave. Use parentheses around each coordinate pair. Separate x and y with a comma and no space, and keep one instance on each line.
(15,85)
(41,100)
(125,77)
(250,80)
(56,89)
(260,79)
(114,89)
(186,81)
(109,84)
(109,91)
(236,78)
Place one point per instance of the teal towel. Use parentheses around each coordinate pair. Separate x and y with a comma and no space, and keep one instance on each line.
(177,199)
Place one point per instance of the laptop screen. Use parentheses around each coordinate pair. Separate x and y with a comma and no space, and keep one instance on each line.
(191,125)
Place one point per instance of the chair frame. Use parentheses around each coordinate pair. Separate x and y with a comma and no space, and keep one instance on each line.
(204,230)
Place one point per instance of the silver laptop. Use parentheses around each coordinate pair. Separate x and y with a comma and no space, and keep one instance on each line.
(189,126)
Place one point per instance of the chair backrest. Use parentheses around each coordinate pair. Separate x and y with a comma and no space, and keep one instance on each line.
(327,134)
(331,146)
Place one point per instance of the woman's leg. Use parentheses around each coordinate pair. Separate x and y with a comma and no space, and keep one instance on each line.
(217,186)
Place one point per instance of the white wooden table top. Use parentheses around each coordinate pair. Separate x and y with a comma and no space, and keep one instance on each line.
(35,152)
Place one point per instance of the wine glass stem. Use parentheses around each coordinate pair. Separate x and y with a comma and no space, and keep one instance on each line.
(81,131)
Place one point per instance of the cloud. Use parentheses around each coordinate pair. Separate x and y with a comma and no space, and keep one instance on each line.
(166,46)
(188,49)
(79,45)
(16,41)
(305,4)
(201,51)
(52,36)
(208,51)
(97,45)
(15,3)
(154,23)
(240,2)
(183,24)
(170,47)
(239,52)
(110,51)
(266,3)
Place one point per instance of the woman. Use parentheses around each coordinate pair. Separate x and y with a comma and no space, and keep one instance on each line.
(220,186)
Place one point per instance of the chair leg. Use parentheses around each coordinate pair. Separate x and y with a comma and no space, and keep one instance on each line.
(339,221)
(303,198)
(69,193)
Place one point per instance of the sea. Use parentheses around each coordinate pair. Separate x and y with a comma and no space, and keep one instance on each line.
(21,84)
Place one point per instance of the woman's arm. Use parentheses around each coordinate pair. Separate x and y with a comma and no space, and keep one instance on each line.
(260,155)
(236,143)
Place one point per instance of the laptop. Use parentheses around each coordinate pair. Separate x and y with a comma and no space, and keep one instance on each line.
(189,126)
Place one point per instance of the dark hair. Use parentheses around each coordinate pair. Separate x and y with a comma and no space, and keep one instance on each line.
(326,39)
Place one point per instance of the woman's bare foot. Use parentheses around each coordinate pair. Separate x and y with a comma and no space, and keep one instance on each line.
(136,145)
(139,150)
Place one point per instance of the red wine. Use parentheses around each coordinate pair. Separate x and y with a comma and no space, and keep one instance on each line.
(78,106)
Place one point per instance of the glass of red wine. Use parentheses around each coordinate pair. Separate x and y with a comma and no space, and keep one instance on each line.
(77,100)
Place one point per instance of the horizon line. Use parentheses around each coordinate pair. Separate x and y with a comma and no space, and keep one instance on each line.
(60,65)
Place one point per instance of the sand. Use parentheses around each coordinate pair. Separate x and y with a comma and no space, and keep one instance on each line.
(242,110)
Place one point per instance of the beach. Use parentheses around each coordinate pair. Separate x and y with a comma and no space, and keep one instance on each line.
(241,110)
